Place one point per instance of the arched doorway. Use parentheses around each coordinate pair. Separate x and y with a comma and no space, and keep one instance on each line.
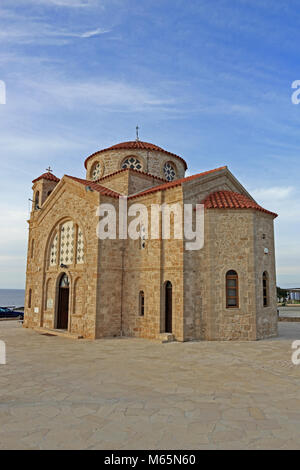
(168,307)
(63,303)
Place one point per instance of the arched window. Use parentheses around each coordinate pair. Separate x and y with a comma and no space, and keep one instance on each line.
(265,289)
(232,290)
(131,162)
(96,171)
(67,236)
(32,248)
(29,298)
(36,200)
(64,281)
(142,304)
(169,171)
(65,248)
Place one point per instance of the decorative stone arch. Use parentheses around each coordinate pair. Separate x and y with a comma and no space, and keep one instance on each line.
(56,229)
(98,158)
(97,162)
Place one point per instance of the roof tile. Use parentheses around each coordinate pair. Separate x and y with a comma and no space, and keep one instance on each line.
(47,176)
(134,145)
(173,184)
(96,187)
(232,200)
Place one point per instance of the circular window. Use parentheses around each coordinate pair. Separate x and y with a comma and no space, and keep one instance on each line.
(133,163)
(96,172)
(169,171)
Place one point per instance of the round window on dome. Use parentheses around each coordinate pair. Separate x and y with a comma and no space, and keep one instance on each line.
(96,171)
(169,171)
(131,162)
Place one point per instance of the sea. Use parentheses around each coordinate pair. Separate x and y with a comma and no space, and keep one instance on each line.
(12,297)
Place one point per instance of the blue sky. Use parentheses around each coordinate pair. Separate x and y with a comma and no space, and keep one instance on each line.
(207,79)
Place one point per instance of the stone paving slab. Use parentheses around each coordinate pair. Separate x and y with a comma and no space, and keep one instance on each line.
(56,393)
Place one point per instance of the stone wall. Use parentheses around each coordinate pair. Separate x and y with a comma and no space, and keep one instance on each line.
(68,201)
(233,241)
(129,182)
(148,270)
(152,162)
(267,320)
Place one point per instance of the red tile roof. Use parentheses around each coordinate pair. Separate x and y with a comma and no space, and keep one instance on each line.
(173,184)
(232,200)
(134,145)
(96,187)
(130,169)
(47,176)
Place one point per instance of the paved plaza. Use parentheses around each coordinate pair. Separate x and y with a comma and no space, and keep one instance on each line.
(58,393)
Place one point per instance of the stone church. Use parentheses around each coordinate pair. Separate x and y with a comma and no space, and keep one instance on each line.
(84,287)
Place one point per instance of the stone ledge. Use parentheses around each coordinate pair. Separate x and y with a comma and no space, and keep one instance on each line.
(289,319)
(62,333)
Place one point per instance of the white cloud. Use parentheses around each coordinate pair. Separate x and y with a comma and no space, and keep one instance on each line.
(276,193)
(65,3)
(44,34)
(96,32)
(109,95)
(87,34)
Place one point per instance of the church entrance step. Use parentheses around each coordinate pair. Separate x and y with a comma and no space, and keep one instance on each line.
(62,333)
(166,337)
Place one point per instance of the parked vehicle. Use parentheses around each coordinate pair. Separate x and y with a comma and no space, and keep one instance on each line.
(6,312)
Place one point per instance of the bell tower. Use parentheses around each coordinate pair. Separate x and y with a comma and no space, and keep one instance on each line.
(42,188)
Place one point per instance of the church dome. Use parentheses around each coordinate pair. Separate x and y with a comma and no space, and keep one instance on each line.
(136,145)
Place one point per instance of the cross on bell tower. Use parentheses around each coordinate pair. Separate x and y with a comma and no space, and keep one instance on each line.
(137,133)
(49,169)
